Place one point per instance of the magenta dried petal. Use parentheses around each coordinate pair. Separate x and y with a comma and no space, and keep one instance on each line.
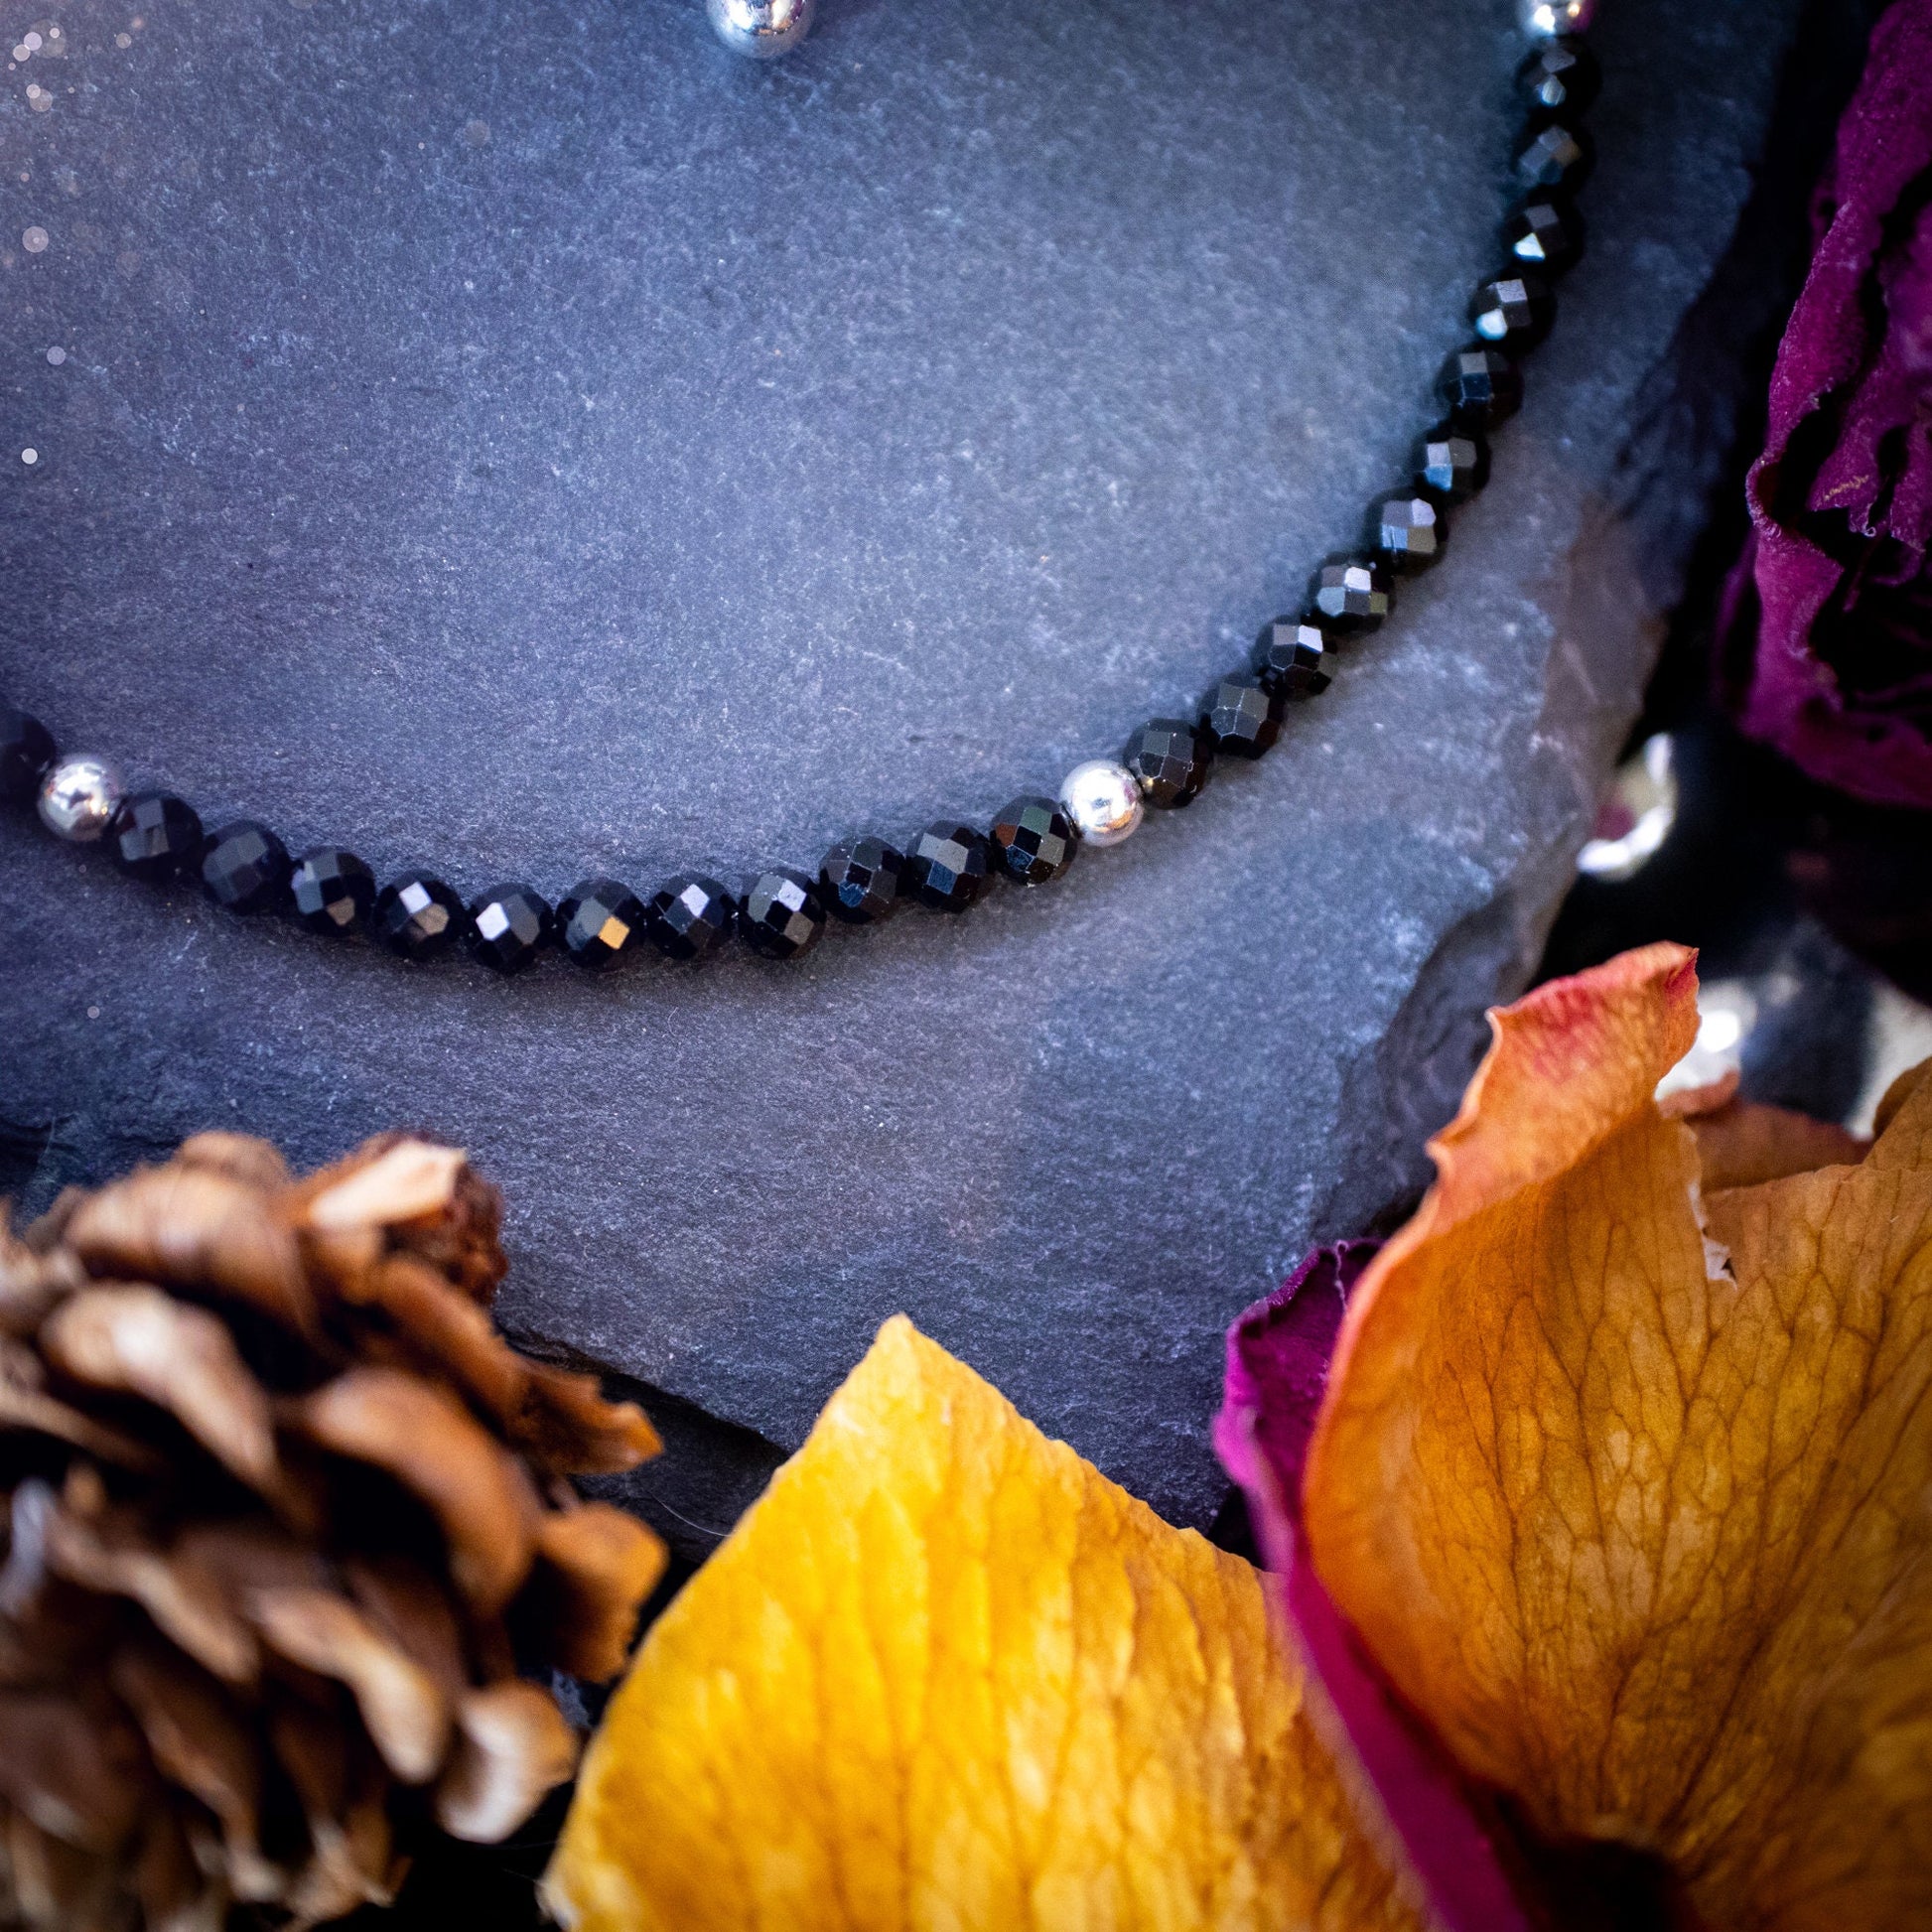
(1278,1356)
(1829,620)
(1277,1365)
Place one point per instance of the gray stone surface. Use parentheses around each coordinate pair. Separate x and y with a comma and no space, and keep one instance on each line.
(520,436)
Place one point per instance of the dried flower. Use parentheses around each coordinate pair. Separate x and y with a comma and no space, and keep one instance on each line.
(944,1673)
(1597,1498)
(1617,1478)
(1829,652)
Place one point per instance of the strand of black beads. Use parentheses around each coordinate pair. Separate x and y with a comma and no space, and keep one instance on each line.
(1352,594)
(783,915)
(245,867)
(510,926)
(949,865)
(331,891)
(156,836)
(417,916)
(27,755)
(862,881)
(1034,840)
(599,923)
(691,916)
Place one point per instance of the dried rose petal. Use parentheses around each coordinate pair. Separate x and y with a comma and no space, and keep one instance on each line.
(1277,1369)
(1621,1481)
(1829,617)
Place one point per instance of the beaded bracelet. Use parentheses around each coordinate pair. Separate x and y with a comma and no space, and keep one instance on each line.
(950,865)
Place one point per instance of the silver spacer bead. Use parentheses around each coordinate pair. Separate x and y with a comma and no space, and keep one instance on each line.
(1547,19)
(763,29)
(1103,802)
(79,796)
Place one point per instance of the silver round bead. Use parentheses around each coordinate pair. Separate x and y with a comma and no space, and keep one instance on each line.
(79,796)
(1547,19)
(1103,802)
(763,29)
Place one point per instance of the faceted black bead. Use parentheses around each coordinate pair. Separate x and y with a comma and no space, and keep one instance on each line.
(333,892)
(1242,716)
(782,916)
(1351,595)
(688,917)
(1451,464)
(1409,532)
(1482,386)
(1555,157)
(598,920)
(155,835)
(25,751)
(418,916)
(1171,761)
(859,880)
(1560,78)
(1035,840)
(1515,311)
(510,925)
(1294,657)
(1544,233)
(246,867)
(949,867)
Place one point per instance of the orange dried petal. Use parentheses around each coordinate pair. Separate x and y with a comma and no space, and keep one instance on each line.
(1746,1142)
(1626,1491)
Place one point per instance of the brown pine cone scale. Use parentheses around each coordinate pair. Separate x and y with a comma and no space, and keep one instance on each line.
(286,1522)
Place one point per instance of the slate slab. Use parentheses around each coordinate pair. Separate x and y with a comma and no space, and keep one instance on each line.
(523,438)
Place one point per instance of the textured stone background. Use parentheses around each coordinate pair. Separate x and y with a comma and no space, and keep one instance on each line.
(523,437)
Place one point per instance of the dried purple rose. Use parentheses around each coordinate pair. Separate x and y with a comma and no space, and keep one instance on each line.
(1827,627)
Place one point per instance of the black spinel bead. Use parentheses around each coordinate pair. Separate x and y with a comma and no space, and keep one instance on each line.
(1034,840)
(246,867)
(1409,532)
(1515,311)
(1482,386)
(1544,233)
(1451,464)
(510,925)
(783,915)
(1350,596)
(1171,761)
(598,920)
(417,916)
(25,751)
(332,891)
(1294,657)
(1560,78)
(948,867)
(688,917)
(859,880)
(1242,716)
(155,835)
(1555,157)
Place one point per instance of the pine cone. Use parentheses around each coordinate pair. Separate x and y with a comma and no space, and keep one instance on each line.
(287,1519)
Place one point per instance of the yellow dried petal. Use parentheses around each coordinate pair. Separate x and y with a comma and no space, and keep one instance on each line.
(945,1675)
